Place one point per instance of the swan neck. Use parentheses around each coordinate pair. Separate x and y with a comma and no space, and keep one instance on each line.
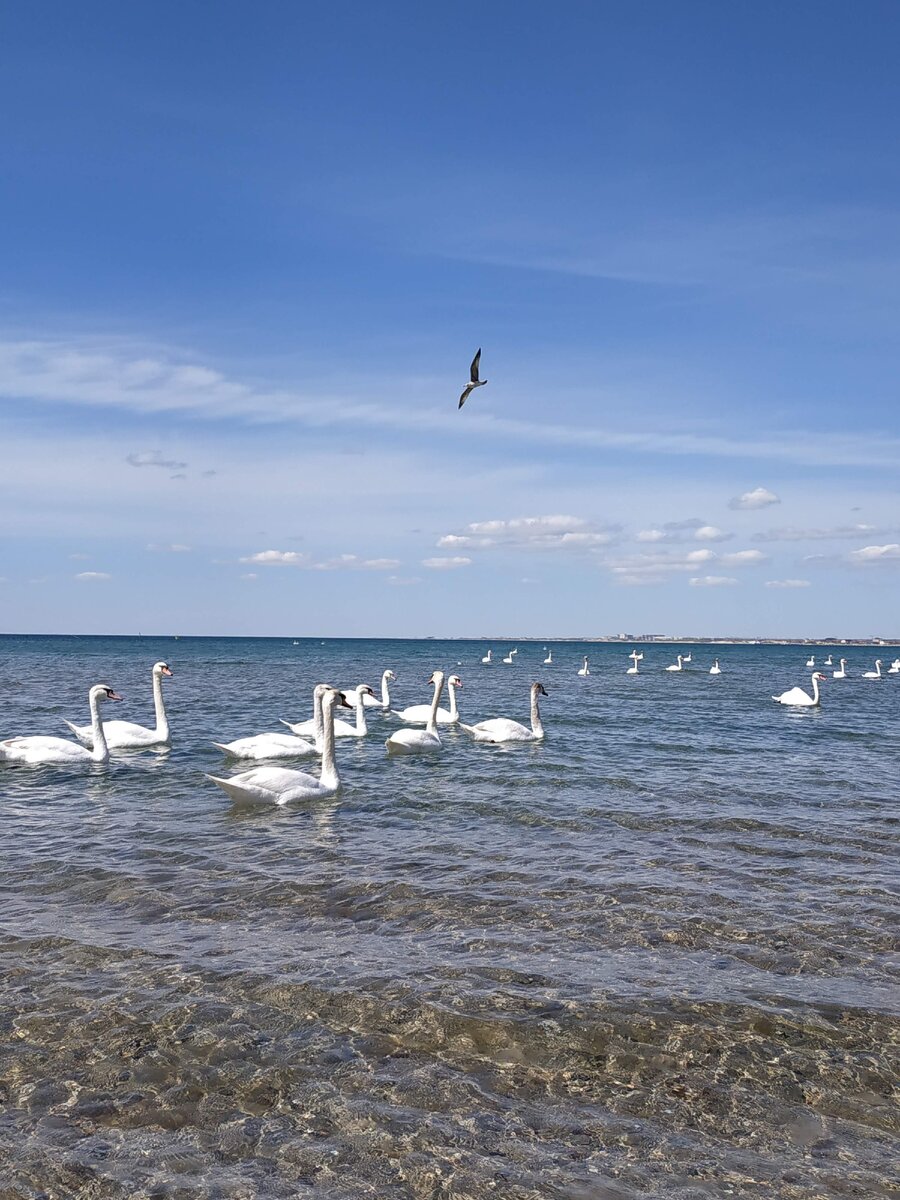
(361,727)
(431,727)
(162,721)
(815,684)
(329,776)
(385,694)
(454,711)
(318,720)
(536,727)
(100,751)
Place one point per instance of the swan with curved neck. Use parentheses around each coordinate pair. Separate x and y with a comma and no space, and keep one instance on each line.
(510,657)
(487,657)
(279,785)
(39,749)
(127,735)
(800,699)
(501,729)
(828,662)
(584,670)
(548,661)
(876,674)
(676,666)
(633,669)
(415,741)
(420,714)
(715,669)
(280,745)
(841,673)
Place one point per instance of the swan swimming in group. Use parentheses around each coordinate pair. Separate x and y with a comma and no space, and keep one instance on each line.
(715,669)
(633,669)
(279,785)
(501,729)
(584,671)
(876,674)
(487,657)
(677,666)
(341,728)
(415,741)
(126,735)
(797,697)
(548,661)
(828,662)
(841,673)
(280,745)
(35,749)
(509,658)
(420,714)
(370,700)
(811,661)
(894,668)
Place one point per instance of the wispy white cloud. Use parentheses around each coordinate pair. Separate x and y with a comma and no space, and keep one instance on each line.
(867,555)
(555,532)
(403,581)
(446,564)
(743,558)
(340,562)
(759,498)
(787,583)
(791,534)
(173,548)
(92,576)
(691,530)
(712,581)
(154,458)
(655,566)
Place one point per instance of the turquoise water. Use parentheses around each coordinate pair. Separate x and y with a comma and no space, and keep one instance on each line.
(654,956)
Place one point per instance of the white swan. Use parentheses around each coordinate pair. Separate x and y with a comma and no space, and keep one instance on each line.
(501,729)
(420,714)
(876,674)
(279,745)
(841,673)
(370,700)
(715,669)
(797,696)
(584,671)
(341,728)
(676,666)
(278,785)
(894,668)
(548,661)
(37,749)
(828,662)
(415,741)
(487,657)
(811,661)
(509,658)
(633,669)
(688,657)
(126,735)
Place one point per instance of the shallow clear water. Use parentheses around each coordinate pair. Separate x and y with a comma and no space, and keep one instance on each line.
(654,956)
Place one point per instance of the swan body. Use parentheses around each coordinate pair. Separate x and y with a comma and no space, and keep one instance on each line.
(420,714)
(418,741)
(876,674)
(894,668)
(370,700)
(279,785)
(487,657)
(841,673)
(501,729)
(126,735)
(811,661)
(676,666)
(584,670)
(715,669)
(688,657)
(828,662)
(268,745)
(800,699)
(36,749)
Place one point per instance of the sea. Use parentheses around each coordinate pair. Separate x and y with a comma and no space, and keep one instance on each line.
(655,955)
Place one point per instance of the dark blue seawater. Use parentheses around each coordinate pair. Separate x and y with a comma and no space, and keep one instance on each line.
(655,956)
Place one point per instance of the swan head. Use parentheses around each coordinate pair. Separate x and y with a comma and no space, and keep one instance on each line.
(101,692)
(538,689)
(454,681)
(389,675)
(161,668)
(436,677)
(331,697)
(364,690)
(820,676)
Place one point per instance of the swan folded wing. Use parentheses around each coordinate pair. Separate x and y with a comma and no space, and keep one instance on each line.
(500,729)
(301,727)
(267,745)
(269,785)
(409,741)
(37,747)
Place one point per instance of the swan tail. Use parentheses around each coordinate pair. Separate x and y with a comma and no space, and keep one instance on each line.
(468,728)
(234,790)
(87,740)
(225,750)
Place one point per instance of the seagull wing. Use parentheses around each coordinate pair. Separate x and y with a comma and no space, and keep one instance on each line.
(473,370)
(466,394)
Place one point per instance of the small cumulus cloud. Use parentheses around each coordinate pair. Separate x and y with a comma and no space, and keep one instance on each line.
(712,581)
(787,583)
(743,558)
(154,458)
(759,498)
(889,553)
(277,558)
(690,530)
(711,533)
(446,564)
(92,576)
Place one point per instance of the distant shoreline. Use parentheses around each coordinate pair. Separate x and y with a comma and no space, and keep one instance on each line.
(617,640)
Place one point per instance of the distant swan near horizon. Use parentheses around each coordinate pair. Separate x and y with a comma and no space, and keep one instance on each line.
(676,666)
(841,673)
(876,674)
(583,671)
(715,669)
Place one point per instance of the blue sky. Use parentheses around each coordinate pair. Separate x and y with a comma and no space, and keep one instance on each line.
(248,252)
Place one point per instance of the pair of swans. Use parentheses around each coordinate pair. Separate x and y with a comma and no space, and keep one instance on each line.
(369,700)
(295,743)
(126,735)
(501,729)
(280,785)
(633,669)
(800,699)
(341,728)
(420,714)
(36,750)
(584,670)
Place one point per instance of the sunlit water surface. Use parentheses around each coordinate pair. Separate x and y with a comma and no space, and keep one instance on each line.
(653,957)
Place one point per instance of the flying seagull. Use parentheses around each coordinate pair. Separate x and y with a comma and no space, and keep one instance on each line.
(474,381)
